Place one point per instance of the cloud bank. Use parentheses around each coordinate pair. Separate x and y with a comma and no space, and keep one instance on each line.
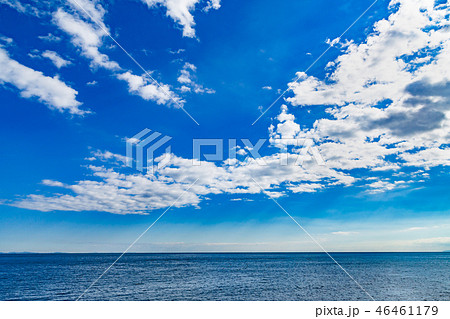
(386,101)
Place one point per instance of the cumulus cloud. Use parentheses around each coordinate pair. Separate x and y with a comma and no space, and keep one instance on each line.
(387,97)
(34,84)
(56,59)
(6,40)
(49,182)
(287,128)
(125,193)
(88,36)
(50,38)
(382,186)
(85,36)
(380,67)
(429,103)
(212,4)
(118,191)
(187,79)
(146,88)
(83,22)
(400,69)
(115,193)
(181,12)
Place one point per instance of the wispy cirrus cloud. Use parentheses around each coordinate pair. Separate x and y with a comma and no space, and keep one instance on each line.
(21,7)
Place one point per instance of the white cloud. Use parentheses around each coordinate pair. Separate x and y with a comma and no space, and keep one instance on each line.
(185,89)
(116,193)
(88,36)
(286,128)
(389,95)
(50,38)
(212,4)
(31,83)
(20,7)
(306,188)
(56,59)
(427,158)
(87,33)
(15,4)
(357,132)
(414,229)
(344,233)
(181,12)
(267,88)
(382,186)
(179,51)
(187,79)
(137,193)
(124,193)
(107,156)
(49,182)
(376,69)
(433,240)
(93,8)
(144,87)
(6,40)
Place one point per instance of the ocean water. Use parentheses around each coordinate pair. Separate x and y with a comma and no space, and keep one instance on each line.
(234,276)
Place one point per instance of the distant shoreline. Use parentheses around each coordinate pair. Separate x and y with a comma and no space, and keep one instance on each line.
(219,252)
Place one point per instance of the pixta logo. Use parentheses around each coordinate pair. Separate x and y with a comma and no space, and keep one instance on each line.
(142,147)
(290,151)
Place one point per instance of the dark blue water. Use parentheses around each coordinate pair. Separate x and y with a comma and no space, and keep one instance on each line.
(255,276)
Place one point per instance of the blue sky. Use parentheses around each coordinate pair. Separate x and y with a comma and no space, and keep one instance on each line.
(375,105)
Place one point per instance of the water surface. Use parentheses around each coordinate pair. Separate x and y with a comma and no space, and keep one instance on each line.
(234,276)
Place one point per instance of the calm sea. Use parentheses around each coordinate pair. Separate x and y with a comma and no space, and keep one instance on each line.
(236,276)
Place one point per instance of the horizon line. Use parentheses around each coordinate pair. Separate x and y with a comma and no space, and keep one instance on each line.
(227,252)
